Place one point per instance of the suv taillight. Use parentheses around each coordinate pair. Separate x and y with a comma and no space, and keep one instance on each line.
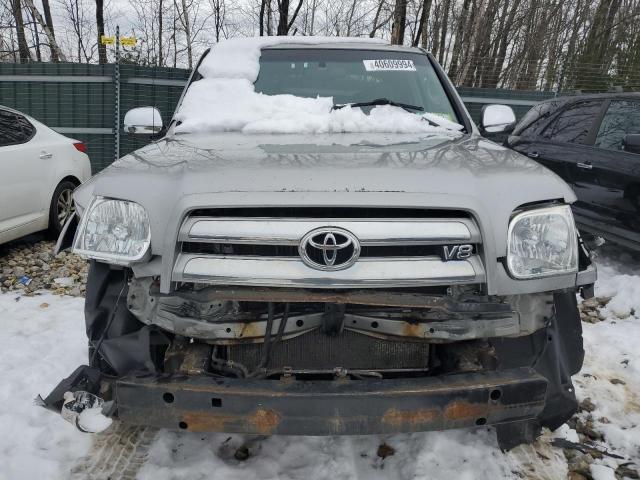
(81,147)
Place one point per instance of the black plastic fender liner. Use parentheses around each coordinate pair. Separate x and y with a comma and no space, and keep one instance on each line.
(127,344)
(555,352)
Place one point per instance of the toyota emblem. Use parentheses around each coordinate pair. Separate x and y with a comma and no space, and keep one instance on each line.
(329,248)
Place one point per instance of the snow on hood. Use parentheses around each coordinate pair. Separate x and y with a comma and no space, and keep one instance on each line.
(230,70)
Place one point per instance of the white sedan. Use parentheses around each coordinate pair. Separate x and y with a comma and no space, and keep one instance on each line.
(39,169)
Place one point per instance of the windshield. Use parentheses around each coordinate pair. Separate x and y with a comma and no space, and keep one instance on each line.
(355,76)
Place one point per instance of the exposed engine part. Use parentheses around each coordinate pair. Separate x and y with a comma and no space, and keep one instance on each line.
(318,351)
(187,358)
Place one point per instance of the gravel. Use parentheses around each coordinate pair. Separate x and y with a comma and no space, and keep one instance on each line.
(29,265)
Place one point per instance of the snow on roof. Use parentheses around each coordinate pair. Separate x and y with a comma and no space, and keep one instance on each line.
(225,98)
(239,57)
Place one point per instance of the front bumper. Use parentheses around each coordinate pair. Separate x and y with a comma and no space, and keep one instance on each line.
(338,407)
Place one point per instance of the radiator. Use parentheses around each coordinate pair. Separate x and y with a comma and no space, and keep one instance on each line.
(350,350)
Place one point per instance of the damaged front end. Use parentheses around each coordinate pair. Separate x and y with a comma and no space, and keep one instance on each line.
(327,362)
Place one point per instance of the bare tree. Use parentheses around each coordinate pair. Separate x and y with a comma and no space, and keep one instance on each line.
(47,27)
(219,9)
(160,33)
(102,49)
(23,49)
(399,22)
(284,23)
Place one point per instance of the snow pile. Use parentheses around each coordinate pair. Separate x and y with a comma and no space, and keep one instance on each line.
(42,341)
(624,288)
(92,420)
(460,455)
(239,57)
(225,99)
(611,372)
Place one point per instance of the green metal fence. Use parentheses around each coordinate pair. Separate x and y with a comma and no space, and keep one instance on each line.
(78,100)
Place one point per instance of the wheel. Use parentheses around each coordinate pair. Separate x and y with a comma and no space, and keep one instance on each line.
(62,206)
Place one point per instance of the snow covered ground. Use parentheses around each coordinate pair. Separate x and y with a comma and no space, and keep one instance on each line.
(42,340)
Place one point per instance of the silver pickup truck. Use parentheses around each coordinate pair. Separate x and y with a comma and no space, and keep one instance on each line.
(271,277)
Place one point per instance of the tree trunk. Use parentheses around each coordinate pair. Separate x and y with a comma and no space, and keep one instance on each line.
(350,19)
(102,49)
(23,49)
(187,33)
(283,17)
(469,68)
(498,62)
(424,34)
(160,32)
(423,23)
(435,33)
(56,54)
(36,38)
(313,17)
(294,16)
(284,24)
(399,22)
(460,38)
(269,14)
(376,19)
(443,32)
(261,19)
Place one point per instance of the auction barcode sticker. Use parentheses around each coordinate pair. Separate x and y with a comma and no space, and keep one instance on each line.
(388,64)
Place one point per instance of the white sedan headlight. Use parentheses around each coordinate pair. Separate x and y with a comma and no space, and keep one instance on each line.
(542,242)
(114,231)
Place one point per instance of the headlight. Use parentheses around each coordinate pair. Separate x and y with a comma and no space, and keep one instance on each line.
(115,231)
(542,242)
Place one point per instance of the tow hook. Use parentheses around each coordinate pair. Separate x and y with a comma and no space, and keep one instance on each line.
(85,411)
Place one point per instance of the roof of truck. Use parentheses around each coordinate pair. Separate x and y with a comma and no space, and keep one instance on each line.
(351,45)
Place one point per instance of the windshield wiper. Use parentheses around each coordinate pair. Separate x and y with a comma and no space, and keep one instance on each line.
(380,101)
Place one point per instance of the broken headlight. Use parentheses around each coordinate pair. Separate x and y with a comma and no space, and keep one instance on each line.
(542,242)
(113,231)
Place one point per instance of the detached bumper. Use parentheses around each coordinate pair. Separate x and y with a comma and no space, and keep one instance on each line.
(340,407)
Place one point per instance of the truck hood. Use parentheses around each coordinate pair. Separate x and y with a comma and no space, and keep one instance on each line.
(437,170)
(235,162)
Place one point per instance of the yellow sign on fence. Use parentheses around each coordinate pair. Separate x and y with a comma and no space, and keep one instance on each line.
(128,41)
(104,40)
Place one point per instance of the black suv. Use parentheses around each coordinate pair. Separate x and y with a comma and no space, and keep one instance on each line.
(593,143)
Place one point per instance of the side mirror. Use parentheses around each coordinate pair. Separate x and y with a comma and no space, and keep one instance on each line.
(631,143)
(143,121)
(497,119)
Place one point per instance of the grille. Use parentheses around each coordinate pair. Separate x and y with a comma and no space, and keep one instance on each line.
(317,351)
(259,246)
(292,250)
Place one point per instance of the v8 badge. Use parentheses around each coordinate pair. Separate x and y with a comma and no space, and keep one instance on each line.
(456,252)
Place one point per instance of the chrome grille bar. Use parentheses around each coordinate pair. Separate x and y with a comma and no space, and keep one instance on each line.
(289,231)
(292,272)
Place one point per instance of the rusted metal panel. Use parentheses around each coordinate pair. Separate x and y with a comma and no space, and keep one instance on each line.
(387,298)
(188,358)
(297,407)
